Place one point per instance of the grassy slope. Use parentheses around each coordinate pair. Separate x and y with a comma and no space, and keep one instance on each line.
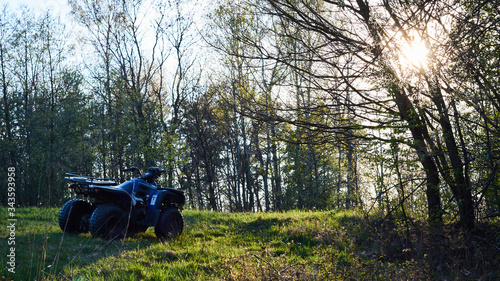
(245,246)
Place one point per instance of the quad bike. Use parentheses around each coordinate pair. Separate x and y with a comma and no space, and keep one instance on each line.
(114,211)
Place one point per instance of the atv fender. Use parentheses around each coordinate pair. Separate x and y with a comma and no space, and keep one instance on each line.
(112,192)
(166,198)
(169,197)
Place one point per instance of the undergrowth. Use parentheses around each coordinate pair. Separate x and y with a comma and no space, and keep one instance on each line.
(297,245)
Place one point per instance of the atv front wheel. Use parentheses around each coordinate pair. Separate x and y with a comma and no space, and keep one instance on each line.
(170,224)
(75,215)
(109,222)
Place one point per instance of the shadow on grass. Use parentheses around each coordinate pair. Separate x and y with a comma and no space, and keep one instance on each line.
(375,242)
(53,254)
(284,244)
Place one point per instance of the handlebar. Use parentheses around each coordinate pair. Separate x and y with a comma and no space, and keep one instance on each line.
(131,169)
(150,176)
(156,170)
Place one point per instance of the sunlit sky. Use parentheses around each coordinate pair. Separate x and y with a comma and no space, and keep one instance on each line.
(415,54)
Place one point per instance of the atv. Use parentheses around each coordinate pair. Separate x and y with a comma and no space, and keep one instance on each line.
(114,211)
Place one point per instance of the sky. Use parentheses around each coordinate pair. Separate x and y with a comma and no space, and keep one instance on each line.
(57,6)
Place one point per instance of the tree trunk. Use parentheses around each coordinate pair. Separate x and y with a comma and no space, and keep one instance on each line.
(418,130)
(278,198)
(7,117)
(460,188)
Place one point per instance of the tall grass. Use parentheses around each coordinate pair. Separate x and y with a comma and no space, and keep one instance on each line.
(244,246)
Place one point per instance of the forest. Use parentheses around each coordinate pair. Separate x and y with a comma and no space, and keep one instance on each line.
(390,105)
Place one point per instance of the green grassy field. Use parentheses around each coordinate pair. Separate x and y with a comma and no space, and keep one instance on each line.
(247,246)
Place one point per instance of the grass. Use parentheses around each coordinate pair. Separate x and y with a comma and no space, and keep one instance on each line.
(321,245)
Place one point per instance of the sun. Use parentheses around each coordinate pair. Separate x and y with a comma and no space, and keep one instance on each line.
(414,53)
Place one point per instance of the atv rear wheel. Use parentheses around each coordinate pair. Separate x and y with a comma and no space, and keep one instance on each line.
(109,222)
(75,215)
(170,224)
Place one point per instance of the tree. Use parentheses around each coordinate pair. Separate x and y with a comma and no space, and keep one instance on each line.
(129,80)
(44,112)
(473,79)
(356,44)
(6,79)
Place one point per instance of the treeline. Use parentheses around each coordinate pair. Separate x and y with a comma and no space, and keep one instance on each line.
(261,105)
